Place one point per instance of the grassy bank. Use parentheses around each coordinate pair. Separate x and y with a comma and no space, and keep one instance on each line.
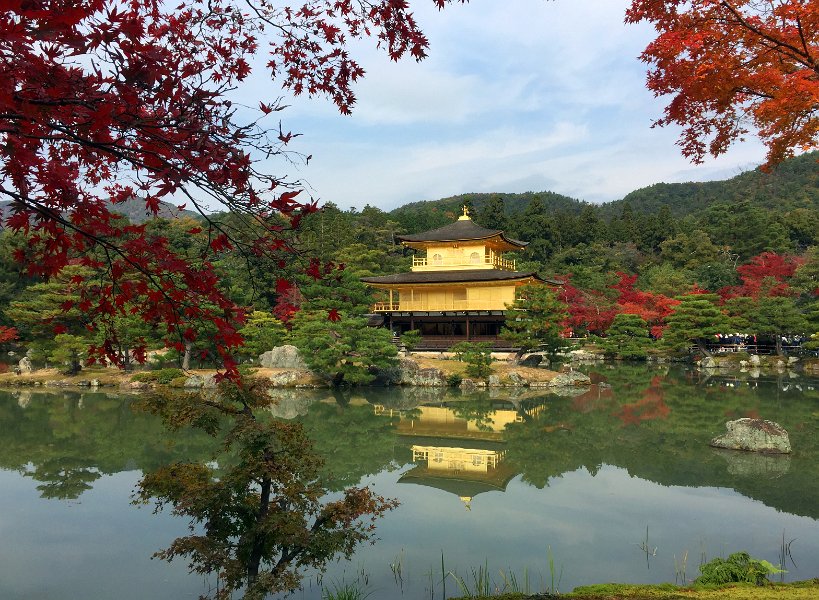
(802,590)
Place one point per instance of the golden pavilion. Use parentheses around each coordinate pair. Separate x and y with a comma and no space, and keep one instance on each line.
(459,287)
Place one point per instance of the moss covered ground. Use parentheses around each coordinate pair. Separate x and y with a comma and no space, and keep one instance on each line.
(802,590)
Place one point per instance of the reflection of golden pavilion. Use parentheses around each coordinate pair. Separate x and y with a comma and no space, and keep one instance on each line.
(462,455)
(457,460)
(464,472)
(443,421)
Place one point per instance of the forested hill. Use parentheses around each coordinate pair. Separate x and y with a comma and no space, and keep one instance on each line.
(794,184)
(134,209)
(429,214)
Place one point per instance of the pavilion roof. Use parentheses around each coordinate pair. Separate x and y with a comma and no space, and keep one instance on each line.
(462,230)
(465,276)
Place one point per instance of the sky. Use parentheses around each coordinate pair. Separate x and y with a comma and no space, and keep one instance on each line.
(515,96)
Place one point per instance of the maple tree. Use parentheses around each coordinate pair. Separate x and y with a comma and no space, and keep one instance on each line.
(257,513)
(652,308)
(734,65)
(588,311)
(103,101)
(767,274)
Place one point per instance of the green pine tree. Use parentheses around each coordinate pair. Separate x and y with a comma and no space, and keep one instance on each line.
(343,350)
(535,320)
(696,320)
(777,316)
(627,338)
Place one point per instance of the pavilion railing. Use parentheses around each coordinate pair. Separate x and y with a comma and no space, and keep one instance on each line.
(421,306)
(496,261)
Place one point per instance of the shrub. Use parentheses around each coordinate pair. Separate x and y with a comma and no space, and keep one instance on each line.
(179,382)
(477,356)
(737,568)
(454,379)
(410,339)
(163,376)
(247,370)
(143,376)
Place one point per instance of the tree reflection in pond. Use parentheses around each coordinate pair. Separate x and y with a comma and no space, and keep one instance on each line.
(516,457)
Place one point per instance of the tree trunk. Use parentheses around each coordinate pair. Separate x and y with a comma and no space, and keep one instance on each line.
(779,351)
(254,560)
(74,365)
(186,359)
(703,348)
(126,358)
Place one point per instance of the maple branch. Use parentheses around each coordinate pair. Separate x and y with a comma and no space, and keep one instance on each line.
(795,53)
(804,42)
(52,215)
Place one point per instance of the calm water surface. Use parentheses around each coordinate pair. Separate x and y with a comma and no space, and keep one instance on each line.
(615,484)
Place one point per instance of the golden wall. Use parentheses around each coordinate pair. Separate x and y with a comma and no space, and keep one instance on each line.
(456,298)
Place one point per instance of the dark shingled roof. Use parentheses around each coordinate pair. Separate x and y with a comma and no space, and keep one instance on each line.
(460,230)
(455,277)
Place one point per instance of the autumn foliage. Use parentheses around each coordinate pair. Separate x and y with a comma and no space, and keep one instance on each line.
(103,101)
(652,308)
(767,274)
(733,67)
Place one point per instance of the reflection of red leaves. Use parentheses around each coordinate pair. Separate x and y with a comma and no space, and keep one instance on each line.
(649,408)
(595,399)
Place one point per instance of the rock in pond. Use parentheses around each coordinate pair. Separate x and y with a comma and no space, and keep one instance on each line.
(754,435)
(567,379)
(409,372)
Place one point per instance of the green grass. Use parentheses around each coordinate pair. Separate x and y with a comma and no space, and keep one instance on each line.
(344,591)
(801,590)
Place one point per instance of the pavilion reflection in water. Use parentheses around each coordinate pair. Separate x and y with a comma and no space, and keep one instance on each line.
(458,450)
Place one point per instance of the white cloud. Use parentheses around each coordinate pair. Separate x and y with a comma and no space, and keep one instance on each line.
(515,96)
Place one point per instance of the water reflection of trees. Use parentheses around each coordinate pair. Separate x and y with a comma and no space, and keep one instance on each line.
(67,440)
(354,440)
(657,426)
(656,423)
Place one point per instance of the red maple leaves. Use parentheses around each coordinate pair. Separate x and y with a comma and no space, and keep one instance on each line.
(731,64)
(652,308)
(594,311)
(102,101)
(765,275)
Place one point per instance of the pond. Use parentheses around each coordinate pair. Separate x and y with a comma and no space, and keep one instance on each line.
(616,483)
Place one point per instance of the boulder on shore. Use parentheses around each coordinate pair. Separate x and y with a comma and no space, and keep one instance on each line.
(409,372)
(569,379)
(25,365)
(283,357)
(754,435)
(534,360)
